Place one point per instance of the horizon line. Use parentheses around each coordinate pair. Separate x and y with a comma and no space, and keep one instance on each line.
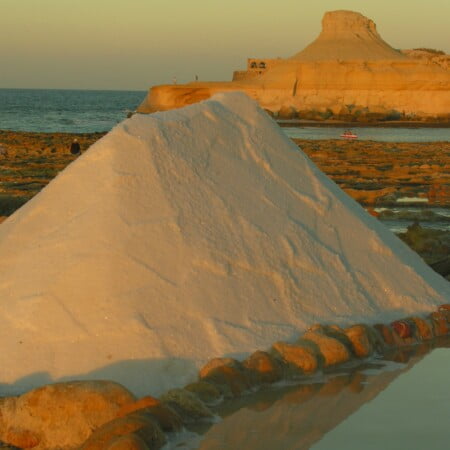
(69,89)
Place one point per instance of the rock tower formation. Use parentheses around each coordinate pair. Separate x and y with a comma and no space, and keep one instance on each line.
(348,70)
(186,235)
(348,35)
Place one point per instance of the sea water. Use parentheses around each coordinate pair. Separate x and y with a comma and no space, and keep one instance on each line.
(397,219)
(86,111)
(379,134)
(62,110)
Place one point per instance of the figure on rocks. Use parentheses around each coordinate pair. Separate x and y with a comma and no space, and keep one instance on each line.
(75,147)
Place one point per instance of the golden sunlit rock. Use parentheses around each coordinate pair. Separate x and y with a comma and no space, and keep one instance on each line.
(349,70)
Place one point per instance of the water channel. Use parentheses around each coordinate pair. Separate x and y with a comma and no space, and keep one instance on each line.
(371,133)
(398,401)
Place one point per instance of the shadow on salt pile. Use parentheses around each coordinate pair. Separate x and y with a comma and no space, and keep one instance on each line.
(132,373)
(25,383)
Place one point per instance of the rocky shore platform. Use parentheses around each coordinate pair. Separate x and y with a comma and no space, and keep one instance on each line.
(373,173)
(380,173)
(28,161)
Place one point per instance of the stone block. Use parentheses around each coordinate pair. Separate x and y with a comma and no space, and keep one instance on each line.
(333,351)
(262,368)
(300,355)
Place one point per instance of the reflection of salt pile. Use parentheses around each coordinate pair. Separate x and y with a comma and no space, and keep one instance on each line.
(302,417)
(186,235)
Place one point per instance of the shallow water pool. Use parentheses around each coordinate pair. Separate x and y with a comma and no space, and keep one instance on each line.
(371,133)
(401,401)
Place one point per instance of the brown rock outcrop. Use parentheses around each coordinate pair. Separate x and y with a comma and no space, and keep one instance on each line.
(301,357)
(166,418)
(349,67)
(60,415)
(333,351)
(262,368)
(227,373)
(348,35)
(430,55)
(186,404)
(206,392)
(359,337)
(136,427)
(142,403)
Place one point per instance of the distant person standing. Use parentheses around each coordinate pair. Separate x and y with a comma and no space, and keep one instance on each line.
(75,147)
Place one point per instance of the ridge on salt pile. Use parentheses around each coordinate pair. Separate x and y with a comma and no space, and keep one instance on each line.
(186,235)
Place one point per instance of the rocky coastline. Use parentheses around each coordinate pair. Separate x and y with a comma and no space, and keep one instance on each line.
(373,173)
(349,72)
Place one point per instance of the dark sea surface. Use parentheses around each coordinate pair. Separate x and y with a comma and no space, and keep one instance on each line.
(378,133)
(72,111)
(82,111)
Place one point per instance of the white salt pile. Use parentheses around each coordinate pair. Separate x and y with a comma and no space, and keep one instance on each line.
(187,235)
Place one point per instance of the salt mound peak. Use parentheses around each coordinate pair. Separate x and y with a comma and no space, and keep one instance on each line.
(348,35)
(186,235)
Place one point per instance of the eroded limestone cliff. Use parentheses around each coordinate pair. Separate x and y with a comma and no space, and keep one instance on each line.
(348,70)
(348,35)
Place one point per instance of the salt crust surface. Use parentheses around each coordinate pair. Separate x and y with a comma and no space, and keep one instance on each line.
(186,235)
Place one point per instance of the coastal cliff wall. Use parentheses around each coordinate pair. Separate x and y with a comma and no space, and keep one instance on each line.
(348,35)
(411,87)
(366,76)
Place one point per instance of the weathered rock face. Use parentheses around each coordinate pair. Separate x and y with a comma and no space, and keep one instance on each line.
(38,419)
(348,69)
(348,35)
(432,56)
(138,430)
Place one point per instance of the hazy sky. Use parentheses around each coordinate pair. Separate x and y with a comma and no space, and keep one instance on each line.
(133,44)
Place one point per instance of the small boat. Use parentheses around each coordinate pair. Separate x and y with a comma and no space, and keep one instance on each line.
(348,134)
